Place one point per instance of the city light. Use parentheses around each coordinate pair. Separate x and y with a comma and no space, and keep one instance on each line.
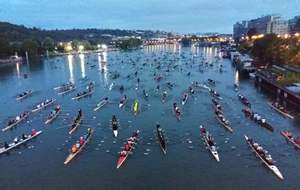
(297,34)
(80,48)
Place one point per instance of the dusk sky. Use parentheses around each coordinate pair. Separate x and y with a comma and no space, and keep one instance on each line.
(169,15)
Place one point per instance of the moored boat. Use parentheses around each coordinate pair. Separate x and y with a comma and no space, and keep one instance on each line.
(289,137)
(78,147)
(280,109)
(17,142)
(129,146)
(209,142)
(263,156)
(14,122)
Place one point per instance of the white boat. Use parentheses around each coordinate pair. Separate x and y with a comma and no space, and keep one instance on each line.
(101,104)
(27,93)
(40,106)
(272,167)
(83,95)
(15,145)
(70,89)
(17,122)
(185,98)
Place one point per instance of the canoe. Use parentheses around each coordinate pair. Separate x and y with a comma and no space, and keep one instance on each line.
(44,106)
(77,124)
(49,120)
(71,156)
(13,145)
(17,122)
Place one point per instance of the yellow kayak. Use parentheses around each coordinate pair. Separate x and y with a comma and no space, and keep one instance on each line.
(136,106)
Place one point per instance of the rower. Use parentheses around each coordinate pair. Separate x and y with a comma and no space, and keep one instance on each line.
(6,145)
(74,148)
(16,140)
(80,113)
(81,141)
(33,132)
(127,147)
(23,136)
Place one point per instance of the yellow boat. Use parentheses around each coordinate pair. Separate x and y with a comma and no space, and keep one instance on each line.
(136,107)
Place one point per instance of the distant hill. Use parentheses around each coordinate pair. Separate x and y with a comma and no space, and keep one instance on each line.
(17,33)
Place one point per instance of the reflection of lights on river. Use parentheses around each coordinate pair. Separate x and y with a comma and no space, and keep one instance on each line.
(18,69)
(82,65)
(70,63)
(237,77)
(104,69)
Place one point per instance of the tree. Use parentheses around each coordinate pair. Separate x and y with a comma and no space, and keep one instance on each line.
(4,48)
(48,44)
(30,46)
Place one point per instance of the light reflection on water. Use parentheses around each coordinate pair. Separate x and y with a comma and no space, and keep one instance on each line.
(71,69)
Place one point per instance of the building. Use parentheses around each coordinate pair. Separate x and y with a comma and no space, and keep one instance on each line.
(263,25)
(293,26)
(240,29)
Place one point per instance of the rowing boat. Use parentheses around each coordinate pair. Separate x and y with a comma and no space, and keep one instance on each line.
(71,156)
(76,123)
(122,158)
(40,106)
(262,122)
(185,98)
(15,145)
(66,85)
(115,125)
(52,117)
(26,114)
(282,112)
(265,159)
(210,144)
(83,94)
(225,125)
(24,95)
(101,104)
(136,107)
(123,101)
(177,112)
(290,139)
(68,89)
(161,139)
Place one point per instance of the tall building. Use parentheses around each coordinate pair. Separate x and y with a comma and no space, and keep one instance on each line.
(294,25)
(240,29)
(262,25)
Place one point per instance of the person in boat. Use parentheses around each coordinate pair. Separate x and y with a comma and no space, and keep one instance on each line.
(191,90)
(81,141)
(121,88)
(74,148)
(33,132)
(24,137)
(123,153)
(203,130)
(18,118)
(127,147)
(6,145)
(16,140)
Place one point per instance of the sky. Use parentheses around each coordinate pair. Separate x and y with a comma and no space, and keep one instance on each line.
(183,16)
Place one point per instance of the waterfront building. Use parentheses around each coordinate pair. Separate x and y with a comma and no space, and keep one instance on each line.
(294,25)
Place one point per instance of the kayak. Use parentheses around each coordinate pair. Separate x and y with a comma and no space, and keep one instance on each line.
(100,104)
(71,156)
(136,107)
(50,119)
(40,107)
(254,146)
(282,112)
(122,158)
(15,145)
(210,144)
(26,114)
(161,139)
